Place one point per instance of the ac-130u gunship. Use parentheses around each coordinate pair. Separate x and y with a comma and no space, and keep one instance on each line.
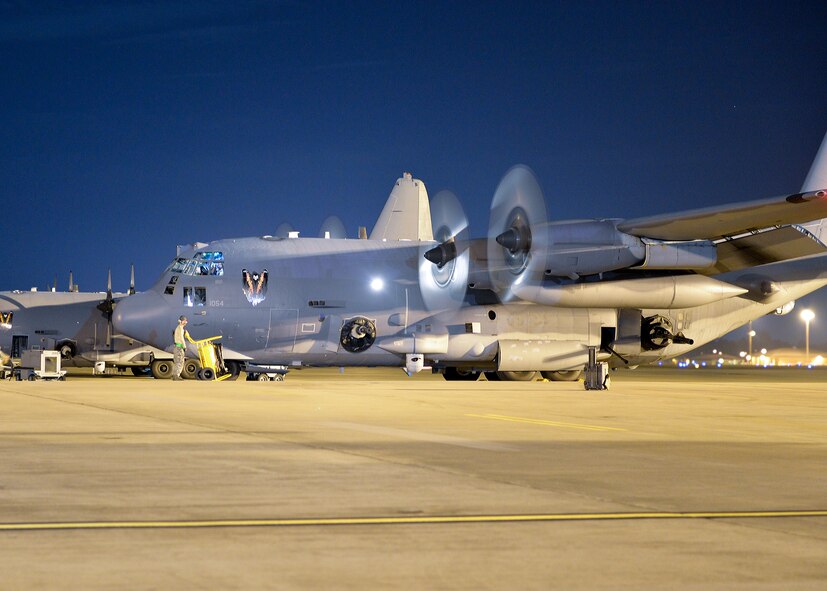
(535,295)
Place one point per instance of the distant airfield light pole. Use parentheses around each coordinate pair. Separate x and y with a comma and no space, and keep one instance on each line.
(751,334)
(807,316)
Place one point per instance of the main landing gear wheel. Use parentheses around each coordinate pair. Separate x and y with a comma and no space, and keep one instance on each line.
(459,374)
(234,369)
(511,376)
(191,369)
(563,376)
(161,369)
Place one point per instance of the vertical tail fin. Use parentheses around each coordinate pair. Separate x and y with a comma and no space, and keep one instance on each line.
(407,213)
(815,181)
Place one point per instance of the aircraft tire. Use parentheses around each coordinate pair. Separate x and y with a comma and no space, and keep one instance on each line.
(516,376)
(459,374)
(233,368)
(492,376)
(563,376)
(190,371)
(162,369)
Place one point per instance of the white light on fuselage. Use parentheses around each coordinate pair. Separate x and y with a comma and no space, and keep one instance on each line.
(376,284)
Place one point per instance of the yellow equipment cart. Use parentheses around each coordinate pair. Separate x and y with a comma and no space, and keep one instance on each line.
(212,359)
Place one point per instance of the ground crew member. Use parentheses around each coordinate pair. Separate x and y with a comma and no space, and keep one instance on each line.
(179,337)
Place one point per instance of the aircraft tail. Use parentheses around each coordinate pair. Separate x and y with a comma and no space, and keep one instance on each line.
(407,213)
(815,181)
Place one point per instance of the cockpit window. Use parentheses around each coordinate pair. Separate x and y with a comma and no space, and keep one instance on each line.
(202,263)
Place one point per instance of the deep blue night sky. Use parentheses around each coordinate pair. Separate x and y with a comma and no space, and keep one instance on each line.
(134,126)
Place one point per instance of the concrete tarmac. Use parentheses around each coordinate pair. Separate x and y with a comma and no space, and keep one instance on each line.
(673,479)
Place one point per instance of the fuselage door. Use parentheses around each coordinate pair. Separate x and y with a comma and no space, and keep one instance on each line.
(283,324)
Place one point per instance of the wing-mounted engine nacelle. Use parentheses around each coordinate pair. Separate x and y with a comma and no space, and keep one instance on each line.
(693,255)
(588,247)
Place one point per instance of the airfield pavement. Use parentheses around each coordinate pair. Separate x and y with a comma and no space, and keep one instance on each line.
(673,479)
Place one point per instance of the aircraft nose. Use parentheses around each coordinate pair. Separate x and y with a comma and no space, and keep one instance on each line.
(144,317)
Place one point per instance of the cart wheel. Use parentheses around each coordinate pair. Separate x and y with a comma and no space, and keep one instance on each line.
(207,373)
(199,375)
(278,377)
(263,377)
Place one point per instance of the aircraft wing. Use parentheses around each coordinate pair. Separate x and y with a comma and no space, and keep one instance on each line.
(713,223)
(761,248)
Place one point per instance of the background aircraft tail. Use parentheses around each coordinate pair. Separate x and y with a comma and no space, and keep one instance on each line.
(407,213)
(816,180)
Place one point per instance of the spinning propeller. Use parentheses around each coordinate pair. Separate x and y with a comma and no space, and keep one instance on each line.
(443,269)
(107,306)
(517,235)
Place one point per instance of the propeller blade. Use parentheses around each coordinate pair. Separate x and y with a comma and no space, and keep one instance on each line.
(131,279)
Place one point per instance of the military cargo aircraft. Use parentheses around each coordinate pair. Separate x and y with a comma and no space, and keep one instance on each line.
(533,296)
(79,326)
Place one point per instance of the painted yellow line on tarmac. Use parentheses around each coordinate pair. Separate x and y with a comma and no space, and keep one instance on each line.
(547,423)
(436,519)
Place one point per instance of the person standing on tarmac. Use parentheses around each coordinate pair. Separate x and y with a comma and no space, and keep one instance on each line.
(179,337)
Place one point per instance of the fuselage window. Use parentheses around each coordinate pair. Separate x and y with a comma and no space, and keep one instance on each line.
(195,296)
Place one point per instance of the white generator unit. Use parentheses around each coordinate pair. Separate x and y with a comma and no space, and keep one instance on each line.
(40,365)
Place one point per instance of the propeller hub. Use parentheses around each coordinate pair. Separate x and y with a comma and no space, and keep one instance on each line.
(442,254)
(515,240)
